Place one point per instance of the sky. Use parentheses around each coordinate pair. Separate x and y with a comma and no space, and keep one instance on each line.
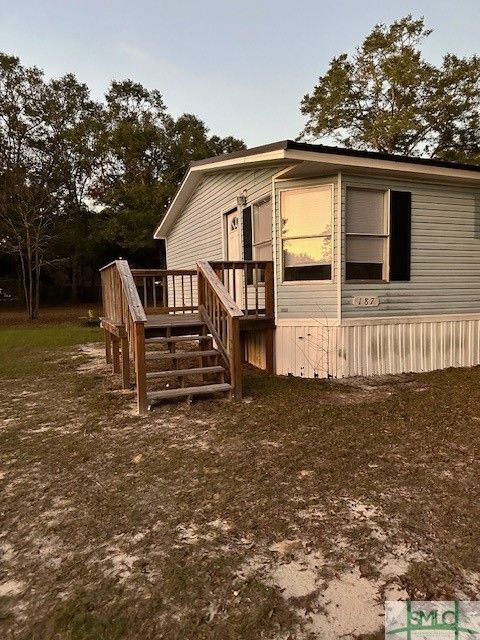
(242,66)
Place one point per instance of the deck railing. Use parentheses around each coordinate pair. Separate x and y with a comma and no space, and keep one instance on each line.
(250,284)
(225,294)
(167,290)
(222,316)
(124,324)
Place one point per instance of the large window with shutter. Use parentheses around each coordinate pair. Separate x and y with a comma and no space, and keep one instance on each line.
(306,233)
(366,234)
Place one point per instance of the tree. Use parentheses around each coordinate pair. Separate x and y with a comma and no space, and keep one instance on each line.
(29,184)
(146,153)
(75,122)
(129,187)
(188,140)
(48,153)
(388,98)
(80,181)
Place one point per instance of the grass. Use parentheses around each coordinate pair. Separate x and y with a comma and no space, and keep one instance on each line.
(13,315)
(116,526)
(28,352)
(28,348)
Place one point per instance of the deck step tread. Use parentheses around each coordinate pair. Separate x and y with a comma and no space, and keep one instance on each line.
(163,340)
(163,322)
(188,391)
(178,355)
(184,372)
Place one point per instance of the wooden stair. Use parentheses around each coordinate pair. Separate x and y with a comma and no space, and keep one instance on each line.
(173,339)
(166,322)
(200,373)
(187,392)
(179,355)
(184,372)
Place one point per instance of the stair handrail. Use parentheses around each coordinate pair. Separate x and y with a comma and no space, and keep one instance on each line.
(222,316)
(123,307)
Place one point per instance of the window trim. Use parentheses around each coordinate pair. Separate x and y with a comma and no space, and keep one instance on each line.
(386,235)
(324,235)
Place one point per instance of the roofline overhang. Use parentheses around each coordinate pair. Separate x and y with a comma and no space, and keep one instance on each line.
(196,172)
(291,152)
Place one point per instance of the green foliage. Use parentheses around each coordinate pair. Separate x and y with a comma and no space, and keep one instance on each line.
(82,182)
(387,97)
(30,180)
(146,154)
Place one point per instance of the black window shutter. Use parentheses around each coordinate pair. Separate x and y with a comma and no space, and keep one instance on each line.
(247,234)
(400,234)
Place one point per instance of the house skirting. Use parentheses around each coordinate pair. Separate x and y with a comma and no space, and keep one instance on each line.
(255,349)
(365,347)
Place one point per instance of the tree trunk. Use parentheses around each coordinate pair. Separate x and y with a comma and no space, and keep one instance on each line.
(24,280)
(30,292)
(36,302)
(35,276)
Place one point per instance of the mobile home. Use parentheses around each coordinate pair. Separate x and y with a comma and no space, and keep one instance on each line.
(339,262)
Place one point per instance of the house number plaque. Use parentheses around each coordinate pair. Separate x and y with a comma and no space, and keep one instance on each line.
(365,301)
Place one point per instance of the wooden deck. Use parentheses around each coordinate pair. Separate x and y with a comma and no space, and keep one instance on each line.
(194,322)
(178,320)
(162,321)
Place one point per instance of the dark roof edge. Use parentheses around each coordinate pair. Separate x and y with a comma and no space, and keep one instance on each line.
(320,148)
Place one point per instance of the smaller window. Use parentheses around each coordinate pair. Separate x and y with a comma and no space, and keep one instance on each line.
(234,223)
(367,235)
(262,231)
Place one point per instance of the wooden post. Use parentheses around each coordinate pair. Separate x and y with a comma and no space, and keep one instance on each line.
(116,354)
(140,368)
(125,363)
(108,346)
(236,358)
(270,350)
(200,292)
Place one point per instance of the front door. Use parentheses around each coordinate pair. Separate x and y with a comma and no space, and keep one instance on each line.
(234,283)
(233,236)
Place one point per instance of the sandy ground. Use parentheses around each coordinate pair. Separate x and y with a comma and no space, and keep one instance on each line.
(192,525)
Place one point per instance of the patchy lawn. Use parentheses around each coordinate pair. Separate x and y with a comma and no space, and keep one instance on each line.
(11,314)
(293,514)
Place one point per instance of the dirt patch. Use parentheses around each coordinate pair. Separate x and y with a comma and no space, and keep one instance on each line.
(11,588)
(295,579)
(350,608)
(291,516)
(94,356)
(373,389)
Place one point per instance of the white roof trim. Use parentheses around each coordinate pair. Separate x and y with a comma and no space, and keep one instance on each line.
(377,164)
(196,173)
(184,192)
(194,176)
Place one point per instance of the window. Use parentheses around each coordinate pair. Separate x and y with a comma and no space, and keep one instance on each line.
(307,233)
(262,231)
(367,235)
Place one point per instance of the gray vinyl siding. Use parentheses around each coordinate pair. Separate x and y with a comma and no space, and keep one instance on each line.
(198,232)
(445,256)
(305,299)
